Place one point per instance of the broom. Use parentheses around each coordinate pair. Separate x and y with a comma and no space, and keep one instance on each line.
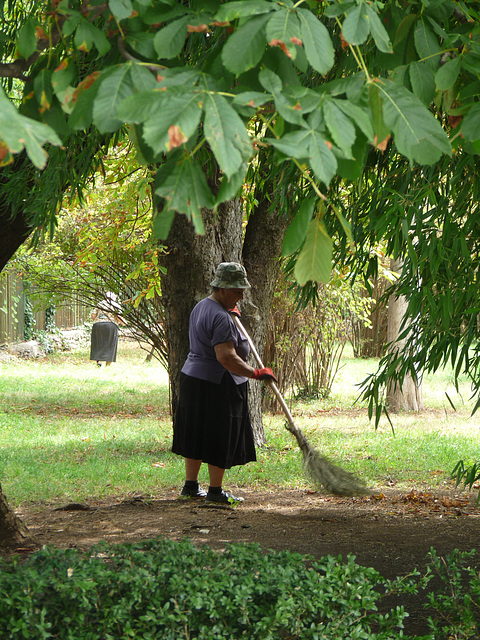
(319,468)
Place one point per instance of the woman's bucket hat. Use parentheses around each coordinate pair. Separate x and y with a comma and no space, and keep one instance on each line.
(230,275)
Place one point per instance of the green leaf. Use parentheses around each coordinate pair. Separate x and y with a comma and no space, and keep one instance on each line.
(114,87)
(226,134)
(142,43)
(83,38)
(121,9)
(160,12)
(162,223)
(337,9)
(283,26)
(55,118)
(169,41)
(71,23)
(42,85)
(426,44)
(471,124)
(322,160)
(246,46)
(174,123)
(288,107)
(378,31)
(356,26)
(340,126)
(447,74)
(297,230)
(270,81)
(27,38)
(418,134)
(352,169)
(100,40)
(63,75)
(233,10)
(382,132)
(87,36)
(18,132)
(230,187)
(81,116)
(471,62)
(422,81)
(347,227)
(141,106)
(404,28)
(317,42)
(293,144)
(253,99)
(183,185)
(357,115)
(314,262)
(142,78)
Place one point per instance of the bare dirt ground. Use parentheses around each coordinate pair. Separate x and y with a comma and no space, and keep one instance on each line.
(389,531)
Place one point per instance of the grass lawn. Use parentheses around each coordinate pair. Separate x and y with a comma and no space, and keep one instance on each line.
(71,431)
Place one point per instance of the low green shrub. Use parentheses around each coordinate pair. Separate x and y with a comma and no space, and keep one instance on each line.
(456,604)
(166,590)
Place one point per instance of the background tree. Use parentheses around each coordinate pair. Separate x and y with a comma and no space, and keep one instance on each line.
(106,244)
(406,395)
(305,345)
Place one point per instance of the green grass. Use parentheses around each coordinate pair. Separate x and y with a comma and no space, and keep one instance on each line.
(71,431)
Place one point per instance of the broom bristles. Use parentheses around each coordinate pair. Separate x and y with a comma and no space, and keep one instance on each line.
(333,478)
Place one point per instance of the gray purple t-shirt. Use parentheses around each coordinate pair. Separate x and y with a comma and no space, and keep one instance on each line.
(211,324)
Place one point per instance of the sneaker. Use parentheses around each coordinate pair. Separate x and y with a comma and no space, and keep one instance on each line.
(222,499)
(192,494)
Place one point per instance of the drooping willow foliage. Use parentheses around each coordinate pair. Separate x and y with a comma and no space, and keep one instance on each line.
(429,217)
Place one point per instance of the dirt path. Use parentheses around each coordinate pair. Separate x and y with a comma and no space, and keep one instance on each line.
(390,532)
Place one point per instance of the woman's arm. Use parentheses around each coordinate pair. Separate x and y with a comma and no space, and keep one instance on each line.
(228,357)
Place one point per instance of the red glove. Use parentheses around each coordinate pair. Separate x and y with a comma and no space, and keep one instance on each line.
(235,311)
(264,374)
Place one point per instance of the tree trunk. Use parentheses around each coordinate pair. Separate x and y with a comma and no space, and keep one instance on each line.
(408,396)
(12,531)
(15,230)
(369,342)
(261,253)
(190,264)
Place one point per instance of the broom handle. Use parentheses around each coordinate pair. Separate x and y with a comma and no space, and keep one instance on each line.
(293,427)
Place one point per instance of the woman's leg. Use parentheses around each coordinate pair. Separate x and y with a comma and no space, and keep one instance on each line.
(192,467)
(216,475)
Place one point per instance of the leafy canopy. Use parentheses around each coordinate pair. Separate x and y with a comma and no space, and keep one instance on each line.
(327,81)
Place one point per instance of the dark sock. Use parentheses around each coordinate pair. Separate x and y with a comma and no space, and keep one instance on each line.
(214,490)
(191,483)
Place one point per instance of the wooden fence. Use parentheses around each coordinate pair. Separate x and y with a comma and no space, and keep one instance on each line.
(12,311)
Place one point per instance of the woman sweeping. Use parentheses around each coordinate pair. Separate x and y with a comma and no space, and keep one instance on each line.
(211,423)
(106,317)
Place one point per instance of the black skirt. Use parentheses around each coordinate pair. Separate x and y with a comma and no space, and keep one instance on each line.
(212,423)
(104,340)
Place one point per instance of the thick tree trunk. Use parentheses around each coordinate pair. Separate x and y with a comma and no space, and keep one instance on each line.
(13,233)
(369,342)
(261,253)
(12,531)
(190,264)
(408,396)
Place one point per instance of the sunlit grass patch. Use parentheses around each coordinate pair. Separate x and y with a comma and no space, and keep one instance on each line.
(73,432)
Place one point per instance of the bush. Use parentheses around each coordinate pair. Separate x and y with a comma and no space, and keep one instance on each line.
(456,603)
(159,589)
(170,590)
